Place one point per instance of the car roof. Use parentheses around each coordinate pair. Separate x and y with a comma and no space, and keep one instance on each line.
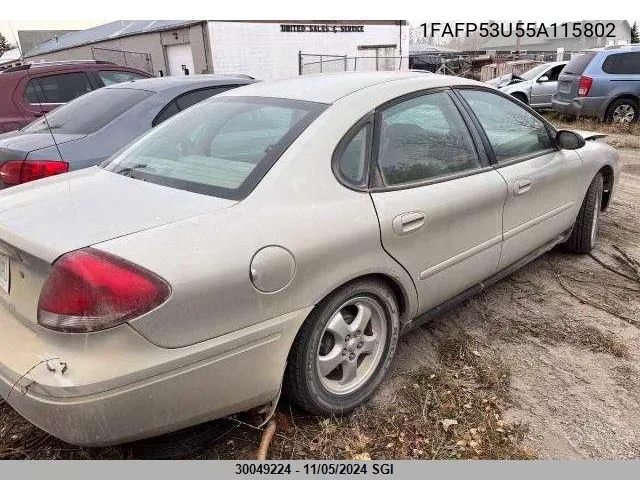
(61,67)
(158,84)
(330,87)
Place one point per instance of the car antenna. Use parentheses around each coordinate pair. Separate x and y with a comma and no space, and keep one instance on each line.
(44,115)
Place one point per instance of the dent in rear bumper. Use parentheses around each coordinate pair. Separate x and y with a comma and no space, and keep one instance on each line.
(580,106)
(231,373)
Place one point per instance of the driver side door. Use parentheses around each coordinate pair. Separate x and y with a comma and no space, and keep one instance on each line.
(541,92)
(543,196)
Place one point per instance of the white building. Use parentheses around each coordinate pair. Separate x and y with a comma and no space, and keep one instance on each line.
(261,49)
(272,49)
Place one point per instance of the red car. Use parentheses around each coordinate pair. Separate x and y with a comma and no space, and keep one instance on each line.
(27,91)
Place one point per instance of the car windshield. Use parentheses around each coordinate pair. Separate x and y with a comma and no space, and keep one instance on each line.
(531,74)
(220,147)
(81,116)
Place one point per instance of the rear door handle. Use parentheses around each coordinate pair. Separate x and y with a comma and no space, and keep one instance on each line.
(408,222)
(522,186)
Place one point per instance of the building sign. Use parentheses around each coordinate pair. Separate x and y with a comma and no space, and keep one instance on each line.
(318,28)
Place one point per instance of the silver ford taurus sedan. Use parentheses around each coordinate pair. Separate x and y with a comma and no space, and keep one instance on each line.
(280,235)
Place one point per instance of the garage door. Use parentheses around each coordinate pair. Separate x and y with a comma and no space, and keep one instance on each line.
(180,59)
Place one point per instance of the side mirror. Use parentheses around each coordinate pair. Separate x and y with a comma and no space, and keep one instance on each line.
(568,140)
(543,78)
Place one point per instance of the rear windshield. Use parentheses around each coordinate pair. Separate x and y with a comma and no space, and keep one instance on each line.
(90,112)
(220,147)
(578,64)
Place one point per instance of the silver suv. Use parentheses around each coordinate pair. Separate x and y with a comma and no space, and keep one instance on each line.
(602,83)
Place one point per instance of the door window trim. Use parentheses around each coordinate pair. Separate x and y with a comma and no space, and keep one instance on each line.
(551,131)
(376,184)
(366,120)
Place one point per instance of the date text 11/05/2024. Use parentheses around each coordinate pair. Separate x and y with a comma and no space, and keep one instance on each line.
(320,468)
(520,29)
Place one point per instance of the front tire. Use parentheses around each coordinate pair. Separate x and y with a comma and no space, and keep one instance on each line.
(344,349)
(585,230)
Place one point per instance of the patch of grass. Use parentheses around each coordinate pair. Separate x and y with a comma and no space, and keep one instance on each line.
(451,411)
(600,342)
(620,135)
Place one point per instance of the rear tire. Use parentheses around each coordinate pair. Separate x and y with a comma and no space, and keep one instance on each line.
(585,230)
(356,329)
(623,110)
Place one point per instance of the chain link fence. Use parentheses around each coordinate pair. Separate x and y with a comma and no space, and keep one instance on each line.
(320,63)
(140,60)
(478,65)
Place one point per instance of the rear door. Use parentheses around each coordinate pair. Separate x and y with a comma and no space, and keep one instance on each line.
(544,196)
(570,77)
(438,201)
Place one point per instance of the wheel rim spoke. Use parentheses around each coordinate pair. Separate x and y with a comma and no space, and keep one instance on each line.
(349,372)
(370,343)
(328,363)
(362,318)
(338,327)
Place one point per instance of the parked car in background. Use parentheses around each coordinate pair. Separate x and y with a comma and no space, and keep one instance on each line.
(29,90)
(89,129)
(601,83)
(285,232)
(536,86)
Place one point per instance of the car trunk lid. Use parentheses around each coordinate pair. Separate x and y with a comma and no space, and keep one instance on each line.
(42,220)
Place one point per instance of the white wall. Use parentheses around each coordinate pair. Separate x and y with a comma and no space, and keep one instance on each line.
(263,51)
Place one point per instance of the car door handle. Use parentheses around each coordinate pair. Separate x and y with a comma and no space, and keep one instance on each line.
(408,222)
(522,186)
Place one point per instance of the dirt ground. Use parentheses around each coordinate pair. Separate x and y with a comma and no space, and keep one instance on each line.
(544,364)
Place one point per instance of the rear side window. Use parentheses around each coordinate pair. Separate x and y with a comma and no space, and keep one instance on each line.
(579,63)
(187,100)
(222,147)
(351,156)
(622,63)
(422,139)
(91,112)
(60,88)
(109,77)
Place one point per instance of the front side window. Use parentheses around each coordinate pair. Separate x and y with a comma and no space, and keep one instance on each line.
(424,138)
(57,88)
(513,132)
(221,147)
(109,77)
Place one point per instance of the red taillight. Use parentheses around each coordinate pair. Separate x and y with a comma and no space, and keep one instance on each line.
(15,172)
(89,290)
(584,86)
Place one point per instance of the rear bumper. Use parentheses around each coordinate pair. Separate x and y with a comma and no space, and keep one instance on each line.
(580,106)
(118,387)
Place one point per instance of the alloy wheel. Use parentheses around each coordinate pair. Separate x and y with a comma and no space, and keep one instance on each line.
(351,345)
(624,113)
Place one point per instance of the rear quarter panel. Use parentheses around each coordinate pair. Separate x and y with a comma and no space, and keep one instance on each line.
(331,231)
